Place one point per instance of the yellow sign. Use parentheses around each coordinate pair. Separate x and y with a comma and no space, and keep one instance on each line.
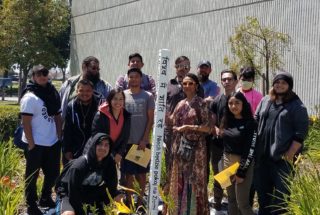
(224,176)
(140,157)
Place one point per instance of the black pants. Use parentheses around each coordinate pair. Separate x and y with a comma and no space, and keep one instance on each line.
(215,153)
(48,159)
(270,182)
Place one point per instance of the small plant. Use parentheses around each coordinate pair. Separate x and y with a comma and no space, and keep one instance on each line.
(11,195)
(312,143)
(11,179)
(116,207)
(168,200)
(305,189)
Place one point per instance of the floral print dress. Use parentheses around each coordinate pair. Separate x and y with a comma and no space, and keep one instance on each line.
(188,179)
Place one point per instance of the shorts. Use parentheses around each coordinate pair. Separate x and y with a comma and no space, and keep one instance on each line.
(128,167)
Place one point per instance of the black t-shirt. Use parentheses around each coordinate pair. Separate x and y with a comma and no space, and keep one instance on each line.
(174,95)
(267,137)
(218,106)
(86,114)
(234,137)
(239,139)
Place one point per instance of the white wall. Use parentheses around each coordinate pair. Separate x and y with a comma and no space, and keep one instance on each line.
(111,30)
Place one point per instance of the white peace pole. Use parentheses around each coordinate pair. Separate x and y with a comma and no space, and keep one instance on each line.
(158,129)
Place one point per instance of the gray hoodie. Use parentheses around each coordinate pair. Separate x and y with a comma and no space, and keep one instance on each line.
(291,124)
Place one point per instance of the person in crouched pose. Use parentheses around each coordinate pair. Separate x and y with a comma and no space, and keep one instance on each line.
(85,180)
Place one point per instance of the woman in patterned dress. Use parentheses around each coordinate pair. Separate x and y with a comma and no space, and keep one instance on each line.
(188,178)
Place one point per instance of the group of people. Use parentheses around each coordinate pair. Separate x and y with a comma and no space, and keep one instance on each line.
(95,126)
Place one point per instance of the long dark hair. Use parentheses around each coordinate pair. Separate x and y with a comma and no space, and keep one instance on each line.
(195,79)
(112,93)
(245,113)
(288,96)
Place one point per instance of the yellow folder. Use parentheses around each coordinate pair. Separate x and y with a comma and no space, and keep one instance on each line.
(223,177)
(140,157)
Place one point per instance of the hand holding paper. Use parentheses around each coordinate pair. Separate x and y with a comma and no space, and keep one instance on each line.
(224,176)
(140,157)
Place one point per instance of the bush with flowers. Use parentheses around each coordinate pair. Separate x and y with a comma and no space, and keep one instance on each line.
(11,178)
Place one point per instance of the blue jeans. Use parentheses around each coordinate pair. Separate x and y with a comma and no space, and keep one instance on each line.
(270,180)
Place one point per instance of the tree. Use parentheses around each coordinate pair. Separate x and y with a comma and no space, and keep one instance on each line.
(28,29)
(260,47)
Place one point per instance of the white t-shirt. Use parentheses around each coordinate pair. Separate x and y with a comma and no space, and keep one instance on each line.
(43,126)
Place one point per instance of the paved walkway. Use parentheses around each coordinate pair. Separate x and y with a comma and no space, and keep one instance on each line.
(12,98)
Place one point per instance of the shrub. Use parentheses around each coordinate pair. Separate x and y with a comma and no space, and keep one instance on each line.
(11,178)
(305,189)
(312,143)
(305,185)
(8,121)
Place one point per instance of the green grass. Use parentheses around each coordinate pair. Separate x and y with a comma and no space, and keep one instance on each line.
(9,103)
(57,84)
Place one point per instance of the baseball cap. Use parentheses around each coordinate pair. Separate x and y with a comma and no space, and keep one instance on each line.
(204,62)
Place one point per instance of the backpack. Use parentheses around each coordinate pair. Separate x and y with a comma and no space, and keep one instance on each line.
(17,138)
(60,188)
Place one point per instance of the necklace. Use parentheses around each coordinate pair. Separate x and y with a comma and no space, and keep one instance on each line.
(84,116)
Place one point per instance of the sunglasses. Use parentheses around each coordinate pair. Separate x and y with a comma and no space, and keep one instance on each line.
(42,73)
(188,83)
(183,66)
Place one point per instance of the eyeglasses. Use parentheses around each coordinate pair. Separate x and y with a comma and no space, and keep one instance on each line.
(188,83)
(183,66)
(226,79)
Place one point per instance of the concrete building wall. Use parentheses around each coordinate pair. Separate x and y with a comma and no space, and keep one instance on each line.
(199,29)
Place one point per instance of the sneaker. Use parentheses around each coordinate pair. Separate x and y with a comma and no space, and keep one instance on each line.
(34,210)
(141,211)
(47,203)
(224,202)
(217,212)
(217,206)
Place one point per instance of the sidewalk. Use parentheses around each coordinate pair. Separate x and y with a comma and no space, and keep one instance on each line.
(11,99)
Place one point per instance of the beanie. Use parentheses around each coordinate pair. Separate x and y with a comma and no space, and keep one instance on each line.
(287,77)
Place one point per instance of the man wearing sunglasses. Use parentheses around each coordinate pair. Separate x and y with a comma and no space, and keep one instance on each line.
(229,82)
(40,113)
(91,72)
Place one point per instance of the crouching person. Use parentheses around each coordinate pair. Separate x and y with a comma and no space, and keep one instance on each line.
(85,180)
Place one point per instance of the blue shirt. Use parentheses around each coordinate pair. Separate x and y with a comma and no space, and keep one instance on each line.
(210,88)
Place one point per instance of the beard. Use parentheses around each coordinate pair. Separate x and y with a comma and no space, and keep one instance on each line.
(203,78)
(94,78)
